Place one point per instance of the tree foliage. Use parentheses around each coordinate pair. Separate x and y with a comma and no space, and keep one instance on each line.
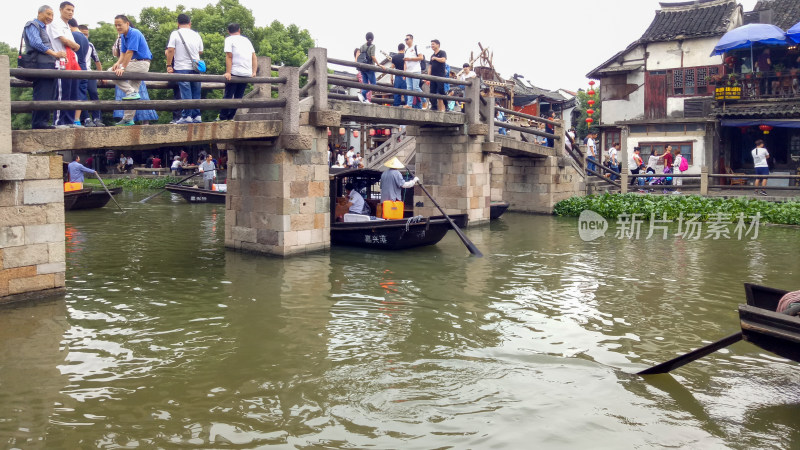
(285,45)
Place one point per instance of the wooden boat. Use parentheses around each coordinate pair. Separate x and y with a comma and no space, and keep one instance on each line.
(496,209)
(88,198)
(196,195)
(393,234)
(397,234)
(763,326)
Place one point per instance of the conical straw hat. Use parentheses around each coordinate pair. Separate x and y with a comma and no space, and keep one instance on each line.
(394,163)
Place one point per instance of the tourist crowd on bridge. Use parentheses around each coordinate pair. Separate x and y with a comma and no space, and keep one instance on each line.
(59,43)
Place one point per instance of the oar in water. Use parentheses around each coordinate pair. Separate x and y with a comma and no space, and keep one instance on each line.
(684,359)
(470,246)
(108,192)
(164,190)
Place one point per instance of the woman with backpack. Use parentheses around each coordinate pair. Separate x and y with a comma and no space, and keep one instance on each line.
(680,165)
(366,55)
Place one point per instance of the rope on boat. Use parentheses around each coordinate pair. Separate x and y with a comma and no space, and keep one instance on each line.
(415,219)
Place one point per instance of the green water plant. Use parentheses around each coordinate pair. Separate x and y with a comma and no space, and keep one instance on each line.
(611,206)
(135,183)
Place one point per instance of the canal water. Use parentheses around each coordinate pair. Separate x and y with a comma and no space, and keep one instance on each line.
(166,339)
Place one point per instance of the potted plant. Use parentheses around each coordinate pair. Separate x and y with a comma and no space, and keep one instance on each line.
(732,79)
(779,69)
(748,76)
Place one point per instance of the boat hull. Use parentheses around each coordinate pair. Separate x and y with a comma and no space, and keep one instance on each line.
(88,198)
(766,328)
(196,195)
(496,209)
(392,234)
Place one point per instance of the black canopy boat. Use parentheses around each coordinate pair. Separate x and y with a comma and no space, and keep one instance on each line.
(88,198)
(84,198)
(396,234)
(763,326)
(196,195)
(496,209)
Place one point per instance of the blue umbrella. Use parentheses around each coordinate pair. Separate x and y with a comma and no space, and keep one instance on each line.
(747,35)
(794,32)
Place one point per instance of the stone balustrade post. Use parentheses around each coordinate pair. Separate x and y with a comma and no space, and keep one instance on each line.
(488,113)
(624,179)
(318,74)
(5,105)
(290,92)
(704,180)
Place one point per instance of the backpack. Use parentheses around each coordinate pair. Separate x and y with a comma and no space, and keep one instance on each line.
(684,166)
(423,65)
(363,57)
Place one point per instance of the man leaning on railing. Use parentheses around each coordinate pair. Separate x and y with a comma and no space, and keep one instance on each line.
(38,53)
(134,56)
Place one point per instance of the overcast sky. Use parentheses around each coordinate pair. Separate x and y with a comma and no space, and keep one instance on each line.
(552,43)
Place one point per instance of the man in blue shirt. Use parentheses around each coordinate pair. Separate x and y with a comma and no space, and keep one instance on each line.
(39,54)
(76,170)
(134,56)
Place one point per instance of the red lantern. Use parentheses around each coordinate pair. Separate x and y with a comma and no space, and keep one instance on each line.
(355,133)
(342,131)
(589,120)
(591,83)
(590,102)
(387,132)
(591,92)
(329,131)
(590,111)
(372,132)
(765,128)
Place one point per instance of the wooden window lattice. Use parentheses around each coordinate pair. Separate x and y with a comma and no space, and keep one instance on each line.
(702,73)
(677,78)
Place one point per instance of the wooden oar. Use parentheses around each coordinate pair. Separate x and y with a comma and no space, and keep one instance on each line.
(108,192)
(470,246)
(164,190)
(682,360)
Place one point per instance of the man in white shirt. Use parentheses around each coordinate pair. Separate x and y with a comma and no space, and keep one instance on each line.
(93,118)
(466,73)
(612,157)
(61,39)
(760,155)
(591,152)
(355,203)
(240,62)
(185,45)
(413,65)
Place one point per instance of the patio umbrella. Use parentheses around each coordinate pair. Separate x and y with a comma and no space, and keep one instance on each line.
(794,32)
(747,35)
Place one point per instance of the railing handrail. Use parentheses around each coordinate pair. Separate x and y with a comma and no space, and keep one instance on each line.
(736,175)
(375,68)
(138,76)
(527,116)
(158,105)
(535,132)
(392,90)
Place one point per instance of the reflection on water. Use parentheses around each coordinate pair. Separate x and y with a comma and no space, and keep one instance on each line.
(166,339)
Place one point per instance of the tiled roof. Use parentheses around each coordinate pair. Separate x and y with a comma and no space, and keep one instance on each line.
(692,19)
(785,13)
(761,110)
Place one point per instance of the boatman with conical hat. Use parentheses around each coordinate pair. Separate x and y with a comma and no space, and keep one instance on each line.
(392,181)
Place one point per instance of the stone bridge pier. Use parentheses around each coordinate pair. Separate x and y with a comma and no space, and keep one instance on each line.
(453,167)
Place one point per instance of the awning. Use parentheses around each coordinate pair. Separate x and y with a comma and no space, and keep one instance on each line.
(751,123)
(620,69)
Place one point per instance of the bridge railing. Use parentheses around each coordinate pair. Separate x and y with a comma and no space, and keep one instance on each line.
(391,90)
(284,81)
